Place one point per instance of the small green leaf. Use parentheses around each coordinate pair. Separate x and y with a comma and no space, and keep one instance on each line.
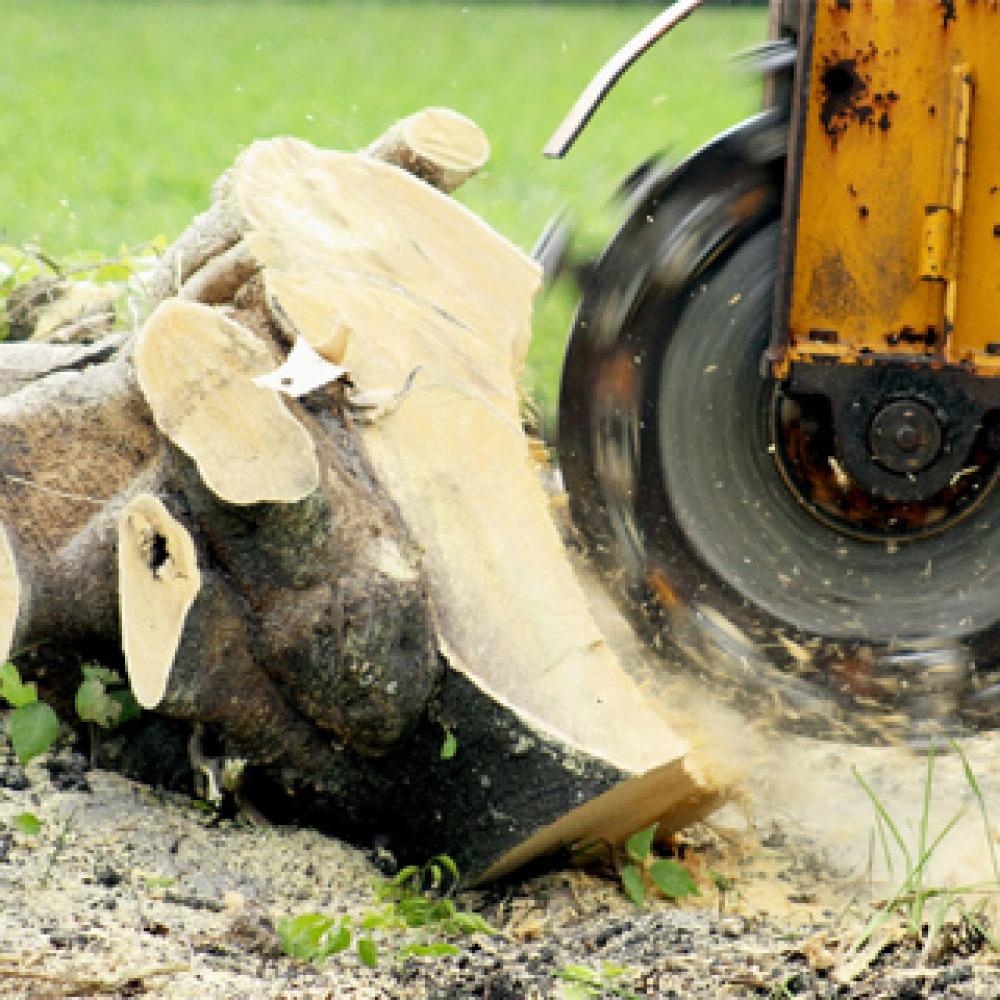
(104,674)
(433,950)
(113,271)
(129,708)
(405,875)
(300,935)
(468,923)
(448,864)
(416,911)
(633,885)
(334,943)
(28,824)
(442,909)
(94,705)
(640,844)
(611,970)
(16,693)
(672,879)
(450,745)
(311,936)
(367,952)
(32,729)
(373,921)
(158,881)
(722,882)
(578,991)
(580,974)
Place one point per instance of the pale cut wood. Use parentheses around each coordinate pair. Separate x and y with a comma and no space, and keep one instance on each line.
(158,580)
(196,369)
(672,796)
(423,285)
(10,595)
(438,145)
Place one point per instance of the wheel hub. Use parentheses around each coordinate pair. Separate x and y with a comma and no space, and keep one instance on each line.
(905,437)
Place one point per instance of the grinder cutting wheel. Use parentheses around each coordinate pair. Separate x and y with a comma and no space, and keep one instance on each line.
(779,420)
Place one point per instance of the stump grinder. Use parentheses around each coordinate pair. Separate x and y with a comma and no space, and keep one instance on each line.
(779,418)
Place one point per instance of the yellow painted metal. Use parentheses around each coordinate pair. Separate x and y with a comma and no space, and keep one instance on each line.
(962,100)
(935,246)
(897,236)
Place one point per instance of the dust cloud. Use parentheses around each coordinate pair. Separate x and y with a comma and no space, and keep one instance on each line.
(797,823)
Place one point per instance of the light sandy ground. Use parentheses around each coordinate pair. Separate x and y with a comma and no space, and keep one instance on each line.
(126,891)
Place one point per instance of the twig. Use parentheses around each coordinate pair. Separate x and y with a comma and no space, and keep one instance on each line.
(978,889)
(84,985)
(51,490)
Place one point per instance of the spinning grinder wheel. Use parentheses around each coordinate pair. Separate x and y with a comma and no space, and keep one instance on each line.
(719,504)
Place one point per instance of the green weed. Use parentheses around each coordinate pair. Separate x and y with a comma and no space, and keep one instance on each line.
(153,883)
(33,726)
(31,278)
(724,885)
(413,914)
(449,746)
(103,699)
(580,982)
(641,870)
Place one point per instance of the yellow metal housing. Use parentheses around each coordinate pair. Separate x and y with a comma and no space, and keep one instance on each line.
(896,250)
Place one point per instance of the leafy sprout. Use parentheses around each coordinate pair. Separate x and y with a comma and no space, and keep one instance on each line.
(670,877)
(33,726)
(580,982)
(413,912)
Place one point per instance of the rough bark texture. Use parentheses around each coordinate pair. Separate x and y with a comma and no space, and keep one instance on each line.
(375,563)
(438,145)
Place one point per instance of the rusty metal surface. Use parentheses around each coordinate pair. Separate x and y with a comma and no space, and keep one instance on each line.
(897,242)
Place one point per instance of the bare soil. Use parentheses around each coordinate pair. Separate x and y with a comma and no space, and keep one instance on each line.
(130,891)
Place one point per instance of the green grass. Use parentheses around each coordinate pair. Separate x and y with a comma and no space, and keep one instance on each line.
(118,116)
(923,906)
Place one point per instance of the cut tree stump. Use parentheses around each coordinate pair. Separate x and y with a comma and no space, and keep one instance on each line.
(300,499)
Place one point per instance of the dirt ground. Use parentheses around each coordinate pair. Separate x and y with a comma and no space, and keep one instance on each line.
(127,891)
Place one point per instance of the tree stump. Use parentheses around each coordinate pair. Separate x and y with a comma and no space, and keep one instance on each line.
(299,503)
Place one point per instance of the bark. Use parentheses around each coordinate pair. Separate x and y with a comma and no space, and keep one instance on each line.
(438,145)
(326,583)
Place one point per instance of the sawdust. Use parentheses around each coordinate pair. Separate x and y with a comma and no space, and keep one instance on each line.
(800,829)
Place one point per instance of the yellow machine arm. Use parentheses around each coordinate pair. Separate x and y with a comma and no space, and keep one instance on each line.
(895,215)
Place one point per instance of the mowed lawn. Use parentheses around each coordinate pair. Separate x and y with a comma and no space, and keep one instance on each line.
(117,116)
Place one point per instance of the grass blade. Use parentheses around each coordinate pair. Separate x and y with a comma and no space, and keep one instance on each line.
(916,910)
(886,850)
(970,780)
(886,818)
